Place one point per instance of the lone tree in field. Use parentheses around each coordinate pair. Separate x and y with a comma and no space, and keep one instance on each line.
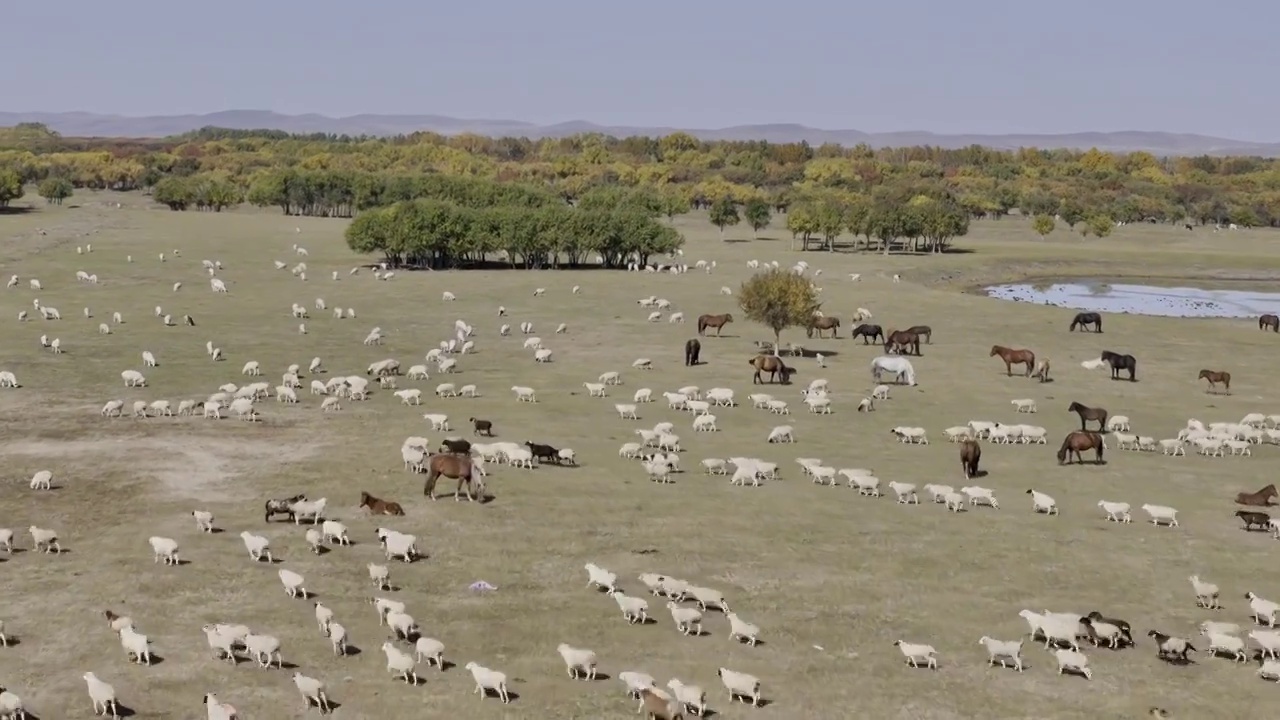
(758,214)
(1100,225)
(1043,225)
(55,189)
(724,214)
(778,299)
(10,187)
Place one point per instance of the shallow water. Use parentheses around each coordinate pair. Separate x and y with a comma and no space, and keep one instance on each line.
(1143,299)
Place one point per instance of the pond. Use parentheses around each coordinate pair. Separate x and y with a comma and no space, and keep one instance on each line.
(1142,299)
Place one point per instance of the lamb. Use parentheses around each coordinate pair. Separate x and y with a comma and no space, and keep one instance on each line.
(42,480)
(1042,503)
(1220,643)
(980,496)
(1024,405)
(165,549)
(257,545)
(1263,611)
(917,654)
(905,492)
(1206,593)
(313,691)
(487,680)
(866,405)
(688,620)
(1074,661)
(740,629)
(1162,514)
(46,540)
(955,501)
(1002,650)
(102,695)
(292,582)
(1116,511)
(578,660)
(1171,648)
(777,407)
(740,685)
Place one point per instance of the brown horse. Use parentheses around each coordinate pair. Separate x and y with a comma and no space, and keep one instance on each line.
(713,321)
(1261,498)
(378,506)
(923,331)
(902,342)
(1042,370)
(822,324)
(1214,377)
(867,333)
(771,364)
(1013,357)
(1079,441)
(970,454)
(1250,518)
(1087,413)
(1269,322)
(452,466)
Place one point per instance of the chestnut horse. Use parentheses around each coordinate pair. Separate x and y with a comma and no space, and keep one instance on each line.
(970,454)
(1214,377)
(1261,498)
(771,364)
(1087,413)
(1120,362)
(713,321)
(691,352)
(868,332)
(378,506)
(1085,319)
(1269,322)
(822,324)
(1250,518)
(1013,357)
(902,342)
(452,466)
(923,331)
(1079,441)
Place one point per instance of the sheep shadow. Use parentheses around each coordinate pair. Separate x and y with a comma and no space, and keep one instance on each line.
(810,354)
(216,531)
(600,677)
(182,562)
(286,665)
(333,704)
(124,711)
(1074,672)
(11,641)
(748,643)
(1178,661)
(156,659)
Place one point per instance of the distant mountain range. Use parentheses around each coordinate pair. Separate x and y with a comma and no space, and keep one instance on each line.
(80,124)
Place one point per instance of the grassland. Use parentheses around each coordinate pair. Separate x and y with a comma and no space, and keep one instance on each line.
(832,578)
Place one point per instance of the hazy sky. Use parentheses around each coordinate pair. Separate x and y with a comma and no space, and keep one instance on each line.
(992,66)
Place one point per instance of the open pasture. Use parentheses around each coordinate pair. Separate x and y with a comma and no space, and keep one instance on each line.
(832,578)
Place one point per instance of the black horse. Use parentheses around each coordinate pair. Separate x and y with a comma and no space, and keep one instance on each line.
(868,332)
(1120,362)
(691,350)
(1084,320)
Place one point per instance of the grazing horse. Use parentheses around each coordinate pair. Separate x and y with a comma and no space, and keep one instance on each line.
(902,342)
(923,331)
(1085,319)
(1013,357)
(1269,322)
(1079,441)
(771,364)
(378,506)
(1261,498)
(868,332)
(1120,362)
(452,466)
(824,323)
(1214,377)
(896,364)
(691,350)
(713,321)
(1251,518)
(1087,413)
(970,454)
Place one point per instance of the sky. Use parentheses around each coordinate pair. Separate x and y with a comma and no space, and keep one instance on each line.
(982,66)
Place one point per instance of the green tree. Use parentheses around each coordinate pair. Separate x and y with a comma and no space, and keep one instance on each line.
(674,203)
(1100,225)
(55,189)
(1070,212)
(778,299)
(758,214)
(1043,225)
(724,214)
(176,192)
(10,187)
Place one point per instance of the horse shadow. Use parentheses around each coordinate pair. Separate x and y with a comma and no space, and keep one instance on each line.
(980,474)
(807,353)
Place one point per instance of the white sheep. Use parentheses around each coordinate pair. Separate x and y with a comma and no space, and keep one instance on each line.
(601,578)
(955,502)
(918,654)
(524,394)
(165,549)
(11,706)
(204,520)
(707,598)
(334,531)
(313,691)
(980,496)
(1042,503)
(687,620)
(911,435)
(487,680)
(1116,511)
(1270,670)
(740,685)
(1268,641)
(42,480)
(1206,593)
(102,695)
(578,660)
(1024,405)
(1118,422)
(1228,644)
(782,433)
(690,697)
(1162,515)
(263,648)
(742,630)
(258,546)
(292,583)
(1264,611)
(1002,650)
(634,609)
(1073,660)
(45,539)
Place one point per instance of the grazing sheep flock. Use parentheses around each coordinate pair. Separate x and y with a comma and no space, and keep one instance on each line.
(598,463)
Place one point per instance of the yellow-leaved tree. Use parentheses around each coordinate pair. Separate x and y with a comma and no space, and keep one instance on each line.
(778,299)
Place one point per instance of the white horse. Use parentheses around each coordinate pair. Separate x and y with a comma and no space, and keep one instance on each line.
(895,364)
